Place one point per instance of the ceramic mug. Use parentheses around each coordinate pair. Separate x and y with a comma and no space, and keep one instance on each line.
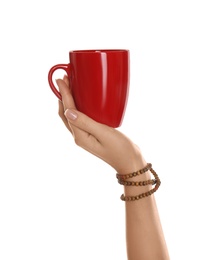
(99,83)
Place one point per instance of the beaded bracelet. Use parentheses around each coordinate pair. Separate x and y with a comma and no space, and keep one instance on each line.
(155,182)
(137,183)
(134,174)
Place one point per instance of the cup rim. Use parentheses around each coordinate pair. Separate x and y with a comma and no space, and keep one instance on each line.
(98,50)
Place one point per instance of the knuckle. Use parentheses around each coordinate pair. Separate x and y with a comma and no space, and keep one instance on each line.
(60,113)
(78,141)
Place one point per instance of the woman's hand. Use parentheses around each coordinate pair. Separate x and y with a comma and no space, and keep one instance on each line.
(103,141)
(144,234)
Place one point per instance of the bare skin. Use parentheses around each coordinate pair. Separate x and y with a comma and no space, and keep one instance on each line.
(144,235)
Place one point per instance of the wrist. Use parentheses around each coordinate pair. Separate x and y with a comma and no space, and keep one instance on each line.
(134,190)
(132,165)
(139,184)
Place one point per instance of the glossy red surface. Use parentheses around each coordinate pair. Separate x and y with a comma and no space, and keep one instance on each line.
(99,81)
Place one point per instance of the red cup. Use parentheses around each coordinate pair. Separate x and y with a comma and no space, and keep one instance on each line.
(99,83)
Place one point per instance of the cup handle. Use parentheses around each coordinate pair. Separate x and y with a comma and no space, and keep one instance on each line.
(65,67)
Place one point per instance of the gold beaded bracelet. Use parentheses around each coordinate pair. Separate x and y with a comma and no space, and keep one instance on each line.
(156,182)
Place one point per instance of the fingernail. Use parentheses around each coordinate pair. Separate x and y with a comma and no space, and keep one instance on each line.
(70,114)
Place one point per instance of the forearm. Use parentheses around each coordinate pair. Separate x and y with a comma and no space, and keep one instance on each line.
(144,234)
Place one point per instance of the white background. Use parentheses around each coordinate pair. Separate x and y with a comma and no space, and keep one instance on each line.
(59,202)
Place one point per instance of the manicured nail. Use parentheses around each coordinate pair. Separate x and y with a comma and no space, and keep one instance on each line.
(70,114)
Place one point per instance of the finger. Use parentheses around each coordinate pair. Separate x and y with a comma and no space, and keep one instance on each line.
(68,102)
(88,125)
(83,134)
(66,80)
(62,116)
(67,98)
(87,131)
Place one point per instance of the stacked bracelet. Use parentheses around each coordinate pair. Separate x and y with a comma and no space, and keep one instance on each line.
(122,179)
(134,174)
(137,183)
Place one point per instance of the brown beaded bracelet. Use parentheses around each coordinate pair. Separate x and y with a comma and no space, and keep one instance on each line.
(134,174)
(155,182)
(137,183)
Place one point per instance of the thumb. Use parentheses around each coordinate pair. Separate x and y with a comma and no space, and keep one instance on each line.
(85,123)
